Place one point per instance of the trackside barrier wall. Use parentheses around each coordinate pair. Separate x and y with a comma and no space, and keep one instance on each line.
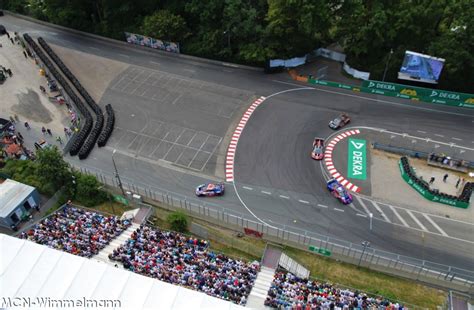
(428,195)
(440,275)
(407,92)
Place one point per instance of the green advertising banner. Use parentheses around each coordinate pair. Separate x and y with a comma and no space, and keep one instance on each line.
(428,94)
(121,199)
(322,251)
(356,159)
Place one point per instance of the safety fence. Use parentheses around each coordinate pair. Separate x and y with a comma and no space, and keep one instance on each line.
(399,265)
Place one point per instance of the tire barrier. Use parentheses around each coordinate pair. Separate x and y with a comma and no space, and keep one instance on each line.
(109,126)
(81,136)
(99,130)
(423,187)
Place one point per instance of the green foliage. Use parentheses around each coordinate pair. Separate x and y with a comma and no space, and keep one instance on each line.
(50,173)
(178,221)
(165,25)
(252,31)
(51,167)
(89,192)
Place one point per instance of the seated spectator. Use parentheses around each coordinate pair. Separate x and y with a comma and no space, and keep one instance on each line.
(290,292)
(76,231)
(180,260)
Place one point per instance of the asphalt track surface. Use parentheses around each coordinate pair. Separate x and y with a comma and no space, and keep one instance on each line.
(274,177)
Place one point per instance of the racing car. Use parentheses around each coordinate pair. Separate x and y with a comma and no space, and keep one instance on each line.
(338,191)
(318,149)
(210,189)
(340,121)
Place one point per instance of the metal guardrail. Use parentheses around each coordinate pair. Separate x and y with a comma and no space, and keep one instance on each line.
(432,273)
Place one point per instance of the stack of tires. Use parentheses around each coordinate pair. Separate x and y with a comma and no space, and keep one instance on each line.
(87,121)
(466,192)
(97,129)
(109,126)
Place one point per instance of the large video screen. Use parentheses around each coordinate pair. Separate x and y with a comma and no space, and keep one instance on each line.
(421,68)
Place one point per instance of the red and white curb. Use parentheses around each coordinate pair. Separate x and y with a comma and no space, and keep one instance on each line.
(229,163)
(330,165)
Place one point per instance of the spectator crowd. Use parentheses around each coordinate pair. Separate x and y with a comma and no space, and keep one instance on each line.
(76,231)
(180,260)
(290,292)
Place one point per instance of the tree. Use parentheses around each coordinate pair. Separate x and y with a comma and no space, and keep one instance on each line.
(89,190)
(165,25)
(51,167)
(295,27)
(178,221)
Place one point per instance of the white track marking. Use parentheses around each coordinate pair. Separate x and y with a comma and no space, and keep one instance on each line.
(249,188)
(322,206)
(284,197)
(337,209)
(438,135)
(435,225)
(264,192)
(416,220)
(456,139)
(421,131)
(381,212)
(304,201)
(376,100)
(361,215)
(362,204)
(401,219)
(123,55)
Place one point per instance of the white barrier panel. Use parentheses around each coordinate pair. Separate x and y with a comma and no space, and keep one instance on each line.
(356,73)
(292,266)
(324,52)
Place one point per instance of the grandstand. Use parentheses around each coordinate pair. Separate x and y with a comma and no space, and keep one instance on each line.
(168,268)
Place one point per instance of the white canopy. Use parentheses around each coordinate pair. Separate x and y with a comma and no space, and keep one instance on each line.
(43,274)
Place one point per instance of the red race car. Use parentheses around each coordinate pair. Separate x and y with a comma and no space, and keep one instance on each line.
(318,149)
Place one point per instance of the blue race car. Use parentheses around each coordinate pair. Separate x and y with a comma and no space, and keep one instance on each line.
(210,190)
(338,191)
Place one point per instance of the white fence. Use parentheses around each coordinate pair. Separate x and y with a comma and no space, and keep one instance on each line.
(292,266)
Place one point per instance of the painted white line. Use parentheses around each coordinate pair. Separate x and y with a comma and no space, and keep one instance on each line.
(361,215)
(322,206)
(435,225)
(381,212)
(123,55)
(249,188)
(421,131)
(340,210)
(456,139)
(441,136)
(264,192)
(376,100)
(304,201)
(400,218)
(284,197)
(416,220)
(361,202)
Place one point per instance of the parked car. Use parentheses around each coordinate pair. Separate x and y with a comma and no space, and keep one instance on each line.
(339,191)
(210,189)
(318,149)
(340,121)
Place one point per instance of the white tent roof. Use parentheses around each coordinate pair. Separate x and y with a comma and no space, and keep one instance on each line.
(11,193)
(35,271)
